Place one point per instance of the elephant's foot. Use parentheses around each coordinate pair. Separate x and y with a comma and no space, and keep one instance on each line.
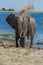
(30,46)
(17,46)
(22,46)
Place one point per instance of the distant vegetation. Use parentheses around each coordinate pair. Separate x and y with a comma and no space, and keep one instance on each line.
(3,9)
(5,35)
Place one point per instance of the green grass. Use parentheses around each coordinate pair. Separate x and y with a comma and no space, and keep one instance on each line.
(5,35)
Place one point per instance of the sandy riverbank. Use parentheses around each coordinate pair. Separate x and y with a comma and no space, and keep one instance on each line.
(6,11)
(10,55)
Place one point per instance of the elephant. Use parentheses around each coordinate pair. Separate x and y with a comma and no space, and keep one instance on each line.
(24,26)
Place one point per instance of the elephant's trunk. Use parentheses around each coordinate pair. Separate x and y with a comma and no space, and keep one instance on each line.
(22,34)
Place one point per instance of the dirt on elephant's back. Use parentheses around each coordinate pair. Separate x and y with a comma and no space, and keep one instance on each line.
(10,55)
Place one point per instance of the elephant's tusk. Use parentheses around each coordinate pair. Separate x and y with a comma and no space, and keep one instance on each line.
(23,34)
(20,34)
(19,41)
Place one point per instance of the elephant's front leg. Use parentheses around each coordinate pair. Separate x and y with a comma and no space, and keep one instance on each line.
(22,42)
(17,40)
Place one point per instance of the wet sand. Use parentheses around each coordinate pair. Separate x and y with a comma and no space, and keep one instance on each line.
(10,55)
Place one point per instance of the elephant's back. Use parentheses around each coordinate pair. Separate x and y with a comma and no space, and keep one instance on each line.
(31,25)
(32,22)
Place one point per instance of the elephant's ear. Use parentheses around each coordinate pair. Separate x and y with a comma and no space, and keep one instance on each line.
(11,20)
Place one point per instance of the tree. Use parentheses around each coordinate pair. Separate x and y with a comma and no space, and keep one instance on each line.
(12,9)
(9,10)
(3,9)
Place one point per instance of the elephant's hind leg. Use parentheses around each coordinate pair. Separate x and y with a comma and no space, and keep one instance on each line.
(31,41)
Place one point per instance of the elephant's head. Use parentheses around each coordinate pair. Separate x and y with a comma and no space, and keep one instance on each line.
(18,23)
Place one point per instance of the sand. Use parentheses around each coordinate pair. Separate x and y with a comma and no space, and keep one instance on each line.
(10,55)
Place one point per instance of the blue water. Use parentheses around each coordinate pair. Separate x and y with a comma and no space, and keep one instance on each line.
(5,28)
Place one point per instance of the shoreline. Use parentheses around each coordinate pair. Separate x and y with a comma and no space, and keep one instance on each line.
(6,39)
(16,11)
(7,11)
(7,42)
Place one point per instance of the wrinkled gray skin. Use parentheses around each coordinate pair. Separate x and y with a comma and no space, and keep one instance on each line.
(24,26)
